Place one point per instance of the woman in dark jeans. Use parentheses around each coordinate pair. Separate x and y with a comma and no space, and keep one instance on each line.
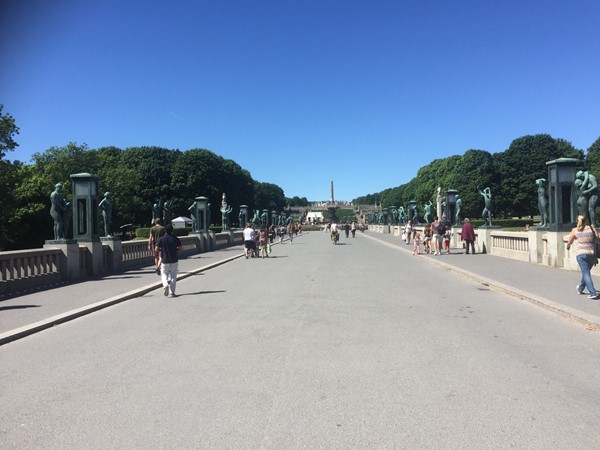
(586,238)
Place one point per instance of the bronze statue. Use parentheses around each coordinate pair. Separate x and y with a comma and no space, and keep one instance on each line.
(487,210)
(106,209)
(542,201)
(59,210)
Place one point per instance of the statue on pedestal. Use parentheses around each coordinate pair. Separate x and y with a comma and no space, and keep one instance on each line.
(427,212)
(106,209)
(487,210)
(193,209)
(587,190)
(59,210)
(225,210)
(542,202)
(457,219)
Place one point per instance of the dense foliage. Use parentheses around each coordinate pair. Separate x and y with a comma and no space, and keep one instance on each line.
(136,177)
(510,175)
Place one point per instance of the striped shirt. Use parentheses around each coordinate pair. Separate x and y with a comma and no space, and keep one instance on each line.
(585,241)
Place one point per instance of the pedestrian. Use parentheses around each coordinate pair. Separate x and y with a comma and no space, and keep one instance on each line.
(447,236)
(263,240)
(427,239)
(168,245)
(249,245)
(156,232)
(467,234)
(353,229)
(290,229)
(347,229)
(436,236)
(281,233)
(417,244)
(271,233)
(586,240)
(408,231)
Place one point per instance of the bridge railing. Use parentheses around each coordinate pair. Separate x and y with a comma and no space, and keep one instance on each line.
(40,268)
(534,246)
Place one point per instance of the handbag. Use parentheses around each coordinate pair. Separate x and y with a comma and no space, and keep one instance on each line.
(596,246)
(268,249)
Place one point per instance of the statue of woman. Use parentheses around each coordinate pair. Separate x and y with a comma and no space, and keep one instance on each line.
(542,201)
(106,208)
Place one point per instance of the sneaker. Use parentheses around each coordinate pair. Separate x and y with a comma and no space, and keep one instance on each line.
(158,271)
(166,290)
(594,296)
(579,290)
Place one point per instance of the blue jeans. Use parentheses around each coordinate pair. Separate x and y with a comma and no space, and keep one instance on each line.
(586,262)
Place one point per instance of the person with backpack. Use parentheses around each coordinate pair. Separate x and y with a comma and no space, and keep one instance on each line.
(167,246)
(444,232)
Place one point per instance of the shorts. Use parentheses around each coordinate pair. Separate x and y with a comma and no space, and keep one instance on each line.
(250,245)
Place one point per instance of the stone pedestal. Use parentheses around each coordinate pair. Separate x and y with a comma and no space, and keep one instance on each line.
(115,254)
(556,252)
(69,262)
(484,238)
(93,257)
(536,245)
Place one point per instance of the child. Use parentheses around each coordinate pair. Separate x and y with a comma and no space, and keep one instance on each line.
(427,240)
(447,240)
(417,244)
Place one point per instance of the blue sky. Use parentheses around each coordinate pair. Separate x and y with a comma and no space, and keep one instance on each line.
(302,92)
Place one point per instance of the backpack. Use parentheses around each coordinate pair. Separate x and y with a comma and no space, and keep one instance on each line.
(441,229)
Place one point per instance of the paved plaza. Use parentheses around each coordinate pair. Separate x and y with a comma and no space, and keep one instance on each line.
(356,345)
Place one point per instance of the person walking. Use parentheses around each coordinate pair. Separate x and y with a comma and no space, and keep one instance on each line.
(353,229)
(408,231)
(249,245)
(417,244)
(467,234)
(436,236)
(586,237)
(263,240)
(168,245)
(156,232)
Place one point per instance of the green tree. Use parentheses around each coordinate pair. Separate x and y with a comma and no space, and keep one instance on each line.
(592,158)
(519,167)
(8,129)
(268,196)
(152,171)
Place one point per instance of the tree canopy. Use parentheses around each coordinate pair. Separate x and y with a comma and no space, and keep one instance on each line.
(510,175)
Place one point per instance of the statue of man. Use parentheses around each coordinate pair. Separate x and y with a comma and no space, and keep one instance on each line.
(225,210)
(427,211)
(167,208)
(156,212)
(59,210)
(193,209)
(457,220)
(487,210)
(542,201)
(106,209)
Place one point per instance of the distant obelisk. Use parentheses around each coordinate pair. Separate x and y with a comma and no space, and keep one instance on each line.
(331,193)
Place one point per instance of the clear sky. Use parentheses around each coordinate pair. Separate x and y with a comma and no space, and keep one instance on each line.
(302,92)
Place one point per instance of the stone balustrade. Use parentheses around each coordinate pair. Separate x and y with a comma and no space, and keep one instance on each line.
(535,246)
(70,261)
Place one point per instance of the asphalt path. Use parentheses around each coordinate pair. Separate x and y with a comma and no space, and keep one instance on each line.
(357,345)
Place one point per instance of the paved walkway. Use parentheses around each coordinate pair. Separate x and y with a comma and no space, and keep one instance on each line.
(547,287)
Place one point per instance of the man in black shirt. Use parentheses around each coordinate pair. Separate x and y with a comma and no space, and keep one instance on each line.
(167,246)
